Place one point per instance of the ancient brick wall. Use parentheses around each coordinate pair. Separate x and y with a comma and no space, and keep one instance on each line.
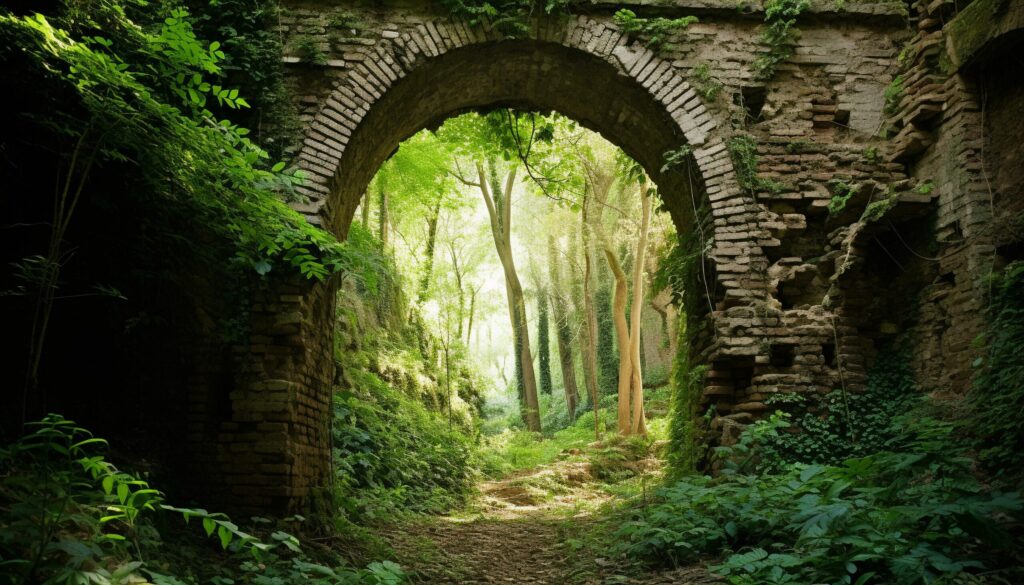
(801,291)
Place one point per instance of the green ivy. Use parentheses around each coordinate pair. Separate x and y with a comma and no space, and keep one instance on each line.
(509,17)
(743,150)
(655,31)
(893,95)
(838,426)
(841,194)
(704,84)
(779,33)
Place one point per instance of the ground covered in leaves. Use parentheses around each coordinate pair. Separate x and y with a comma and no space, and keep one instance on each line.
(542,525)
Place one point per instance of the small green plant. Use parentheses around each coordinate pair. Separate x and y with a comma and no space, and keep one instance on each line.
(347,21)
(871,155)
(308,50)
(677,159)
(704,84)
(798,146)
(925,188)
(779,33)
(893,95)
(509,17)
(876,210)
(841,194)
(655,31)
(743,150)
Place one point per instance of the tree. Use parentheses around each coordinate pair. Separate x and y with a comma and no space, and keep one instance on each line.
(499,210)
(543,341)
(563,331)
(630,413)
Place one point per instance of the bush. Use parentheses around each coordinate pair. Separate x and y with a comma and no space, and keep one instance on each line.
(909,514)
(392,454)
(70,516)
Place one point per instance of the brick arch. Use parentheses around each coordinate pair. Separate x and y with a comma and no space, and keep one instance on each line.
(588,71)
(271,443)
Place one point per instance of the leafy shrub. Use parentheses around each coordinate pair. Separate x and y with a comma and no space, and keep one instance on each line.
(902,516)
(843,425)
(70,516)
(998,395)
(392,454)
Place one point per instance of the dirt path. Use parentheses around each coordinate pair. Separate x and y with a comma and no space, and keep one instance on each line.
(524,530)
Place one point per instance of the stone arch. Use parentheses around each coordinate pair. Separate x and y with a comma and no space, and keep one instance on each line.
(413,79)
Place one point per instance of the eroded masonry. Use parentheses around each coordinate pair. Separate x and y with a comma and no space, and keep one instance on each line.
(844,203)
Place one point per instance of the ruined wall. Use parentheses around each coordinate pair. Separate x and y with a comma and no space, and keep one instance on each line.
(860,228)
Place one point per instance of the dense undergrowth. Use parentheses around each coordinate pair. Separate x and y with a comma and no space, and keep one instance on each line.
(70,516)
(874,487)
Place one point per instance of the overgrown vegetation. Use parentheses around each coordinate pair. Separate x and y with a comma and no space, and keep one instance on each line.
(779,34)
(654,31)
(70,516)
(841,194)
(910,514)
(509,17)
(743,150)
(707,86)
(998,395)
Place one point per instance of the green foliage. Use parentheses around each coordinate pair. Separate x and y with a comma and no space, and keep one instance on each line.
(998,391)
(707,86)
(907,515)
(72,517)
(393,455)
(842,426)
(743,150)
(509,17)
(893,95)
(252,63)
(871,155)
(138,97)
(876,210)
(676,159)
(779,33)
(841,194)
(656,31)
(309,51)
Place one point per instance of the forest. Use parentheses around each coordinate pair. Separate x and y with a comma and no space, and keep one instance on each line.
(520,388)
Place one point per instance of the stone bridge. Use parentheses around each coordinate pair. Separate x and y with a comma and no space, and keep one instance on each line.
(791,297)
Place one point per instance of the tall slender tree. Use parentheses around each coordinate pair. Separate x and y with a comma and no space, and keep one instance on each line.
(563,330)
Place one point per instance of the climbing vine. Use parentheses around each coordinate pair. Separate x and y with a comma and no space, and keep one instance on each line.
(509,17)
(743,150)
(655,31)
(779,34)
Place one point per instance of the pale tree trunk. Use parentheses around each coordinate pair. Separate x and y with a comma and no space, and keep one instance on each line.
(625,423)
(639,423)
(501,230)
(590,323)
(472,309)
(562,330)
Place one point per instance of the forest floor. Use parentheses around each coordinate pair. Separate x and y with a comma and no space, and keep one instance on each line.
(544,525)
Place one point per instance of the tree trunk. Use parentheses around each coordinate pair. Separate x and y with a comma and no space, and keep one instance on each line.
(472,309)
(382,196)
(625,423)
(367,198)
(639,423)
(428,269)
(543,342)
(501,230)
(590,324)
(562,331)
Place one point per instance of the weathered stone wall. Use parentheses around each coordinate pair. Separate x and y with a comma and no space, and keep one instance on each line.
(799,297)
